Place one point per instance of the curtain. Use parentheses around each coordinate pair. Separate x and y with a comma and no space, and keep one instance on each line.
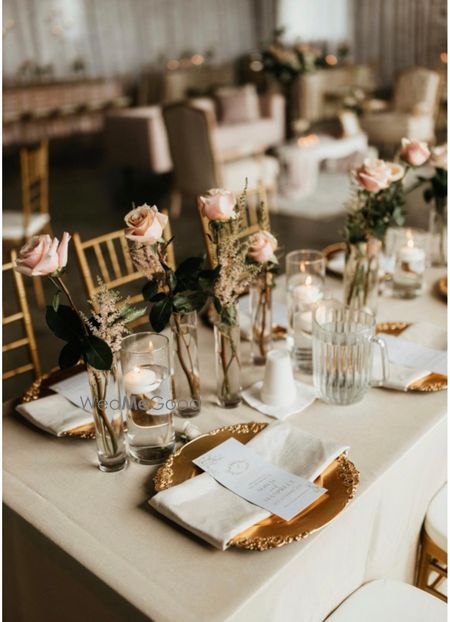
(120,36)
(396,34)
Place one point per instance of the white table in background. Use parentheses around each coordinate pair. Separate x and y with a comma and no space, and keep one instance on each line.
(83,545)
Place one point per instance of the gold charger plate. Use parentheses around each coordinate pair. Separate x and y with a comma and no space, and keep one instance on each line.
(429,384)
(41,388)
(341,479)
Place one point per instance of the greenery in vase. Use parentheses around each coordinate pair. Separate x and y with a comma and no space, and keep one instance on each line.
(93,339)
(235,271)
(169,292)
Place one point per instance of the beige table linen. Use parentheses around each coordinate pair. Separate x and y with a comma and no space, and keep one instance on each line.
(83,544)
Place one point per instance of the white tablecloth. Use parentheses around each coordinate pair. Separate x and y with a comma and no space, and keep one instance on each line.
(83,545)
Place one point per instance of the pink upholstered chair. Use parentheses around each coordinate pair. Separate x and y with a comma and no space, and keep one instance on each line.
(411,114)
(197,161)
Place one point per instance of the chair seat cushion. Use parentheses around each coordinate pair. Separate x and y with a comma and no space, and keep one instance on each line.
(390,601)
(13,228)
(264,168)
(242,139)
(436,519)
(391,127)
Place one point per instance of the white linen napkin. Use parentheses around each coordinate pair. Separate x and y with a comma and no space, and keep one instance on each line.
(54,414)
(305,396)
(216,514)
(57,415)
(401,374)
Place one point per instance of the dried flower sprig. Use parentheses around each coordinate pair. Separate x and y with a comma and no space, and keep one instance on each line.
(110,316)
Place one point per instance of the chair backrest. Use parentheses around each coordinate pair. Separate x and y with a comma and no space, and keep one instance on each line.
(22,316)
(190,131)
(417,90)
(34,180)
(254,218)
(108,257)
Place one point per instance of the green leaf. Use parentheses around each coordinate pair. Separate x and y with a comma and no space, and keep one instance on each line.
(97,353)
(190,301)
(150,289)
(70,354)
(55,301)
(160,314)
(64,323)
(171,279)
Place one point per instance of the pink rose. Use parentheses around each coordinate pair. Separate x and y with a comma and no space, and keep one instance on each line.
(373,175)
(218,204)
(438,157)
(414,152)
(145,224)
(262,246)
(42,256)
(396,171)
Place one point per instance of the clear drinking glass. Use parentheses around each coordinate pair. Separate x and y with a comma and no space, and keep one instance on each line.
(149,404)
(343,341)
(305,276)
(411,249)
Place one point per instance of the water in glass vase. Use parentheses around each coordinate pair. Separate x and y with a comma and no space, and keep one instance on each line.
(149,406)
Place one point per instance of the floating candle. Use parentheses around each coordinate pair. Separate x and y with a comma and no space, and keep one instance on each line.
(307,293)
(140,380)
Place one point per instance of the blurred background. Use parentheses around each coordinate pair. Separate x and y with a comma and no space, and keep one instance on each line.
(122,101)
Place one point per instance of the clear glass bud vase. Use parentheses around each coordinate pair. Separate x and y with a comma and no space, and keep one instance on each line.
(187,376)
(109,425)
(361,275)
(228,366)
(438,235)
(261,319)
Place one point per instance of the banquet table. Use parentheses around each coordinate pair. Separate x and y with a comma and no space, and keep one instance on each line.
(84,545)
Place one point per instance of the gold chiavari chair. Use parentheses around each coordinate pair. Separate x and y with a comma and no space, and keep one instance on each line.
(108,257)
(34,218)
(28,341)
(254,218)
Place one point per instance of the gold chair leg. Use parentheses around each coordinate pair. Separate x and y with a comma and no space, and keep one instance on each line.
(39,292)
(422,569)
(175,203)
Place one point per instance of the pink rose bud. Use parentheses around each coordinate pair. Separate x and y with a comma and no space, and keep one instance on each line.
(414,152)
(145,224)
(373,175)
(218,204)
(42,256)
(262,246)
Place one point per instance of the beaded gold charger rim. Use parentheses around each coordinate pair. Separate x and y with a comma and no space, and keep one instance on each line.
(329,251)
(41,388)
(341,479)
(442,286)
(428,384)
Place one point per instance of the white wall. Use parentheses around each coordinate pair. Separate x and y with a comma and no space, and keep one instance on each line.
(317,20)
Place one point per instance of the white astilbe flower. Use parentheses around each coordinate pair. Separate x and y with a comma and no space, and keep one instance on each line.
(110,315)
(146,260)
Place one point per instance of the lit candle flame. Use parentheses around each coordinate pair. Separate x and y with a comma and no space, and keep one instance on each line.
(308,280)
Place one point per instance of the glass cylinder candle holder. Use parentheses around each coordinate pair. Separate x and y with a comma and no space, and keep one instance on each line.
(305,275)
(149,403)
(411,247)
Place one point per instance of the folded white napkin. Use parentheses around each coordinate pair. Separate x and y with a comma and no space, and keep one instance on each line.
(216,514)
(57,415)
(305,397)
(404,372)
(54,414)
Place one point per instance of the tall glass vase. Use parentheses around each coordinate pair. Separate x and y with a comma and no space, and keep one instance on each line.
(187,376)
(438,234)
(361,275)
(261,318)
(109,425)
(228,365)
